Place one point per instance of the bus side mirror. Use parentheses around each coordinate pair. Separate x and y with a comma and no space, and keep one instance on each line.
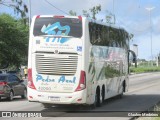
(134,57)
(134,60)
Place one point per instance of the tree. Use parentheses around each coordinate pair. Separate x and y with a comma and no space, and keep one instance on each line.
(108,19)
(19,7)
(13,41)
(72,13)
(85,13)
(95,10)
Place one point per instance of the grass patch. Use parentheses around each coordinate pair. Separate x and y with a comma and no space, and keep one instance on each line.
(144,69)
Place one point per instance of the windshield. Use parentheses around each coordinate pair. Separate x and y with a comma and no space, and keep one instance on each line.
(58,26)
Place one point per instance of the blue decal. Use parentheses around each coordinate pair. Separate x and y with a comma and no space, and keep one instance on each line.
(62,80)
(40,78)
(58,40)
(79,48)
(51,30)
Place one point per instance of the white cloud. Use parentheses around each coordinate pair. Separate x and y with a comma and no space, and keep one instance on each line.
(130,14)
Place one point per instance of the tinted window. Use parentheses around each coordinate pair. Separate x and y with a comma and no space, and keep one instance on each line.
(107,36)
(3,78)
(58,26)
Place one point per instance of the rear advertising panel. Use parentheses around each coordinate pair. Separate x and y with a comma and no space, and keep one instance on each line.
(56,55)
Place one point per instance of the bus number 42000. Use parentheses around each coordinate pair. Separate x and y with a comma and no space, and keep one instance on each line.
(44,88)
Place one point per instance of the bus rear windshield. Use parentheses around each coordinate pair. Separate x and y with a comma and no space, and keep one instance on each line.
(58,26)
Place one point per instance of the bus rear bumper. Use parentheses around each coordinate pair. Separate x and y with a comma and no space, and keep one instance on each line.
(78,97)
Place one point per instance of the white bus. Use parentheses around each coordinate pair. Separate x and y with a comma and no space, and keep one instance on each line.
(74,60)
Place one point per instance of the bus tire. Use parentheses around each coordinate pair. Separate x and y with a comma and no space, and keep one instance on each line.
(103,94)
(97,102)
(123,90)
(98,94)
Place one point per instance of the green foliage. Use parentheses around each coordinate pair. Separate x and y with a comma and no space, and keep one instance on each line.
(19,7)
(108,19)
(85,13)
(95,10)
(72,13)
(13,41)
(110,72)
(144,69)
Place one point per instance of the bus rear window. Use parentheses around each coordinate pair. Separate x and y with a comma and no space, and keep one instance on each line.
(58,26)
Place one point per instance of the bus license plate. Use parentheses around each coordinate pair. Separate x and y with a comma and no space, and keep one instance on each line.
(54,98)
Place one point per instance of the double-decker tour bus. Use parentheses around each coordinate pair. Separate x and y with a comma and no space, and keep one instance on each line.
(75,60)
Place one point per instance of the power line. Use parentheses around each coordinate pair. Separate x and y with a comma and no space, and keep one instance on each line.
(56,7)
(120,23)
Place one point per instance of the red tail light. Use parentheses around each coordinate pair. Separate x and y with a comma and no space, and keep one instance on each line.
(38,16)
(80,18)
(82,81)
(30,79)
(3,83)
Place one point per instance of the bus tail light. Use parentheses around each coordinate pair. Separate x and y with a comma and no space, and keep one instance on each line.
(80,18)
(38,16)
(82,81)
(30,79)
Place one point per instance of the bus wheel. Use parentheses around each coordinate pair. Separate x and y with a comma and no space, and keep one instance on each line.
(98,94)
(123,90)
(103,94)
(97,101)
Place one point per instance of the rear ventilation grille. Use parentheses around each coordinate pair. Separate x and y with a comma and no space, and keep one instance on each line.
(56,64)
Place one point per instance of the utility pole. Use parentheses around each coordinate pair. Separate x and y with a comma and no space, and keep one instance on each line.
(158,60)
(111,15)
(150,9)
(29,2)
(114,19)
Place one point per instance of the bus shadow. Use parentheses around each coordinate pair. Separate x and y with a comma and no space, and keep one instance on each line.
(113,107)
(129,103)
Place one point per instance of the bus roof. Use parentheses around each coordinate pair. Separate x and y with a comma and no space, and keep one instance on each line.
(82,17)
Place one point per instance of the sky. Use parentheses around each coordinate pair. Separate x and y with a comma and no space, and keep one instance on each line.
(130,14)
